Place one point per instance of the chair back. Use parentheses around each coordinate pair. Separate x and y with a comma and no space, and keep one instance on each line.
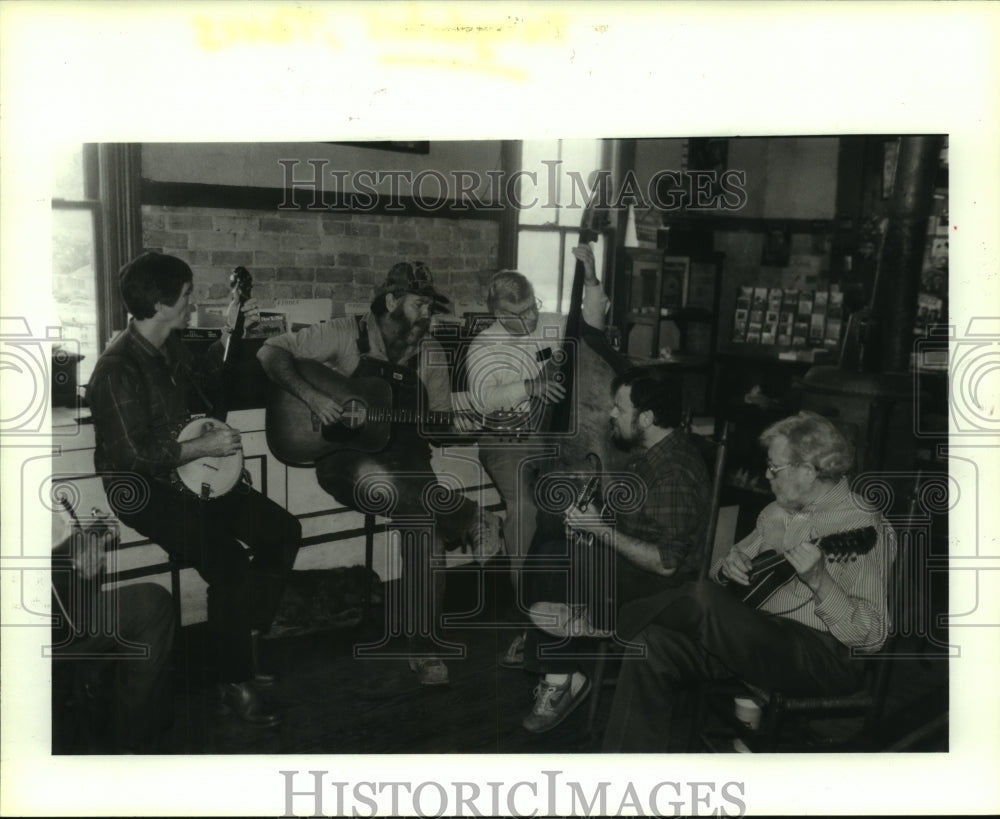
(713,450)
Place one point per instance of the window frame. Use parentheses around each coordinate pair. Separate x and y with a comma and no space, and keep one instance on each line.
(606,155)
(111,180)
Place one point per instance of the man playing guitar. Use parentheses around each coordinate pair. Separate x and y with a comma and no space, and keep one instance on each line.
(142,390)
(389,342)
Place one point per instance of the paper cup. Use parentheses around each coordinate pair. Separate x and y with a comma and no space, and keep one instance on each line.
(747,711)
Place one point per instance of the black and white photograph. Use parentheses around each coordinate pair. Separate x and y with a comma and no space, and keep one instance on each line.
(494,450)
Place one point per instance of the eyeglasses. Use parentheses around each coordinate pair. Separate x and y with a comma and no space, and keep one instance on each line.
(774,469)
(533,310)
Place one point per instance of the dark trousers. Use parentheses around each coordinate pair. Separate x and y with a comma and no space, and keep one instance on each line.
(138,641)
(244,584)
(564,568)
(400,484)
(699,632)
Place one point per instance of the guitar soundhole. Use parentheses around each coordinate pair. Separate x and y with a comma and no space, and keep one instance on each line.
(355,414)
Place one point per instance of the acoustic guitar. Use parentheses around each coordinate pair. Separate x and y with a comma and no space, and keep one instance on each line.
(769,570)
(214,476)
(297,436)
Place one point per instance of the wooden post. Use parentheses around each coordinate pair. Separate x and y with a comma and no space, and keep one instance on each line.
(895,296)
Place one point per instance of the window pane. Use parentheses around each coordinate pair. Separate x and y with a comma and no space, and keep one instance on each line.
(539,192)
(569,265)
(538,259)
(74,284)
(580,156)
(67,172)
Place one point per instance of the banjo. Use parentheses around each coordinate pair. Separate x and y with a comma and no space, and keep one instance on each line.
(211,476)
(214,476)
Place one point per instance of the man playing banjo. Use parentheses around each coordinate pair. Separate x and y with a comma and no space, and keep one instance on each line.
(139,397)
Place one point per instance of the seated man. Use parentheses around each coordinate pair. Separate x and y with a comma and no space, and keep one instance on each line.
(506,373)
(131,626)
(800,639)
(390,343)
(656,546)
(139,397)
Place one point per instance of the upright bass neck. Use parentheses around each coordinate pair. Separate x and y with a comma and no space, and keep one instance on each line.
(241,285)
(558,417)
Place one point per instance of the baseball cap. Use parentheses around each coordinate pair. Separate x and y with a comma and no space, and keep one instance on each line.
(415,278)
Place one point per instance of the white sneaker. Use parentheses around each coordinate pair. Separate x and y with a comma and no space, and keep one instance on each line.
(553,703)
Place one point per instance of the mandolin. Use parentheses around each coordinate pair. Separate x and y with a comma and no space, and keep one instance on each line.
(214,476)
(769,570)
(79,568)
(297,436)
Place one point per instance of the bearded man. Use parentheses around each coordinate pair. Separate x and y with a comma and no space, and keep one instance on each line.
(640,553)
(391,342)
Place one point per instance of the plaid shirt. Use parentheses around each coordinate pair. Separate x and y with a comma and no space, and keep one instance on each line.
(675,514)
(139,398)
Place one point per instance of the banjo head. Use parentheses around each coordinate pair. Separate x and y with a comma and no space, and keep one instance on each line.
(209,477)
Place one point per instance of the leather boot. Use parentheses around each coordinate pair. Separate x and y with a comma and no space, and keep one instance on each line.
(264,679)
(245,701)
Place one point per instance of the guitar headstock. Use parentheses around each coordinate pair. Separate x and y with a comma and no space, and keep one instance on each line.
(241,283)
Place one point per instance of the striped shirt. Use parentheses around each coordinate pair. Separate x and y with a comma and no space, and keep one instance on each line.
(499,362)
(855,611)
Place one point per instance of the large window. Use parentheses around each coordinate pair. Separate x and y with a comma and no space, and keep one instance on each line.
(552,197)
(76,215)
(96,228)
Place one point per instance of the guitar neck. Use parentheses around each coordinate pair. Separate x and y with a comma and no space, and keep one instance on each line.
(387,415)
(851,541)
(72,512)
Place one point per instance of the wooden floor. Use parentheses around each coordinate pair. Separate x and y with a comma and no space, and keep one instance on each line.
(334,703)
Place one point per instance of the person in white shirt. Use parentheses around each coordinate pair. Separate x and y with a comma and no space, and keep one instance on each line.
(507,373)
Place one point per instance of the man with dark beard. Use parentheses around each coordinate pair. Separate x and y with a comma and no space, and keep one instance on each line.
(656,546)
(391,343)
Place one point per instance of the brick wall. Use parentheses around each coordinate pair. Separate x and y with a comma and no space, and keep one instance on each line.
(340,256)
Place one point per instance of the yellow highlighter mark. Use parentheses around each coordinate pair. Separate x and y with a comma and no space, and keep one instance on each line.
(282,26)
(451,39)
(443,37)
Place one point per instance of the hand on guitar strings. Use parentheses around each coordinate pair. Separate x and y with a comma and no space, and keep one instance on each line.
(585,253)
(251,313)
(736,566)
(807,560)
(586,522)
(545,388)
(323,406)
